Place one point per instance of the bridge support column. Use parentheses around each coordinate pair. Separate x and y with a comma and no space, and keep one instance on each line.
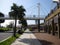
(38,25)
(48,28)
(45,26)
(53,32)
(59,26)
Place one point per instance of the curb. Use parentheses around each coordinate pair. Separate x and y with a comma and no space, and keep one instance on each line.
(5,39)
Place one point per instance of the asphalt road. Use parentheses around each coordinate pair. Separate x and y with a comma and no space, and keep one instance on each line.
(4,35)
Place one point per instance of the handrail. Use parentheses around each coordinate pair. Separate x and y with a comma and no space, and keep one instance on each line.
(53,14)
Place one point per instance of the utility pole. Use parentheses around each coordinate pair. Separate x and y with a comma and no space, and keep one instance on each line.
(38,17)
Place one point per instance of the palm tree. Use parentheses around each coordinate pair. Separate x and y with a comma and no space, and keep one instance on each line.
(1,20)
(1,15)
(23,22)
(17,12)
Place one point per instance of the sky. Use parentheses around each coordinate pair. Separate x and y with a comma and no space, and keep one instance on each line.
(31,7)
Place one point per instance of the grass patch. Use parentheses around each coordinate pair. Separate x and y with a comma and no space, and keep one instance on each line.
(4,29)
(10,40)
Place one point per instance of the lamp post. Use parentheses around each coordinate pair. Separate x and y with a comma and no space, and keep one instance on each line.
(57,2)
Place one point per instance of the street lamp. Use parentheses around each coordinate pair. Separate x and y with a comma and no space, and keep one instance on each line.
(57,2)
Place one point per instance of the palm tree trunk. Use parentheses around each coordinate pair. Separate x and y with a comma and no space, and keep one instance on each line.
(15,27)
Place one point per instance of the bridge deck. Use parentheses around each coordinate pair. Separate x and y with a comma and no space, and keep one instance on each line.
(27,18)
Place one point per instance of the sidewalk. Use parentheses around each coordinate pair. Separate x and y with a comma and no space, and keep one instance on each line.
(47,39)
(26,38)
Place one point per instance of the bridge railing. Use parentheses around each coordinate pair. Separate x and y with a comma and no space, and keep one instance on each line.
(34,16)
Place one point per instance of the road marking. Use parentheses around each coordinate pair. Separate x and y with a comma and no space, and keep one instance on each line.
(5,39)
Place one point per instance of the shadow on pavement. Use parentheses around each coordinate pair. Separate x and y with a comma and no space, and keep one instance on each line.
(44,42)
(30,41)
(33,41)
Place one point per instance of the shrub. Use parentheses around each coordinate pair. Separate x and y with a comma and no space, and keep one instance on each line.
(4,29)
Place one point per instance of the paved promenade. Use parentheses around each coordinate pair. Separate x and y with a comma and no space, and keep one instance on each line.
(27,38)
(47,39)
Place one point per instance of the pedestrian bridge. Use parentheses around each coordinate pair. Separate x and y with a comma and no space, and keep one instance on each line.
(26,17)
(33,18)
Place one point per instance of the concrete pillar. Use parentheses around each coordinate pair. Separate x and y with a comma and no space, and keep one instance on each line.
(44,26)
(48,28)
(58,5)
(53,33)
(38,25)
(59,26)
(35,22)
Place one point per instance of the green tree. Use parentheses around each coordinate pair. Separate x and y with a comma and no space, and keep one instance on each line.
(23,22)
(1,20)
(2,15)
(21,16)
(16,12)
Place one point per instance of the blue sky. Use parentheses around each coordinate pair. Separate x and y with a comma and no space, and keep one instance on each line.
(29,5)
